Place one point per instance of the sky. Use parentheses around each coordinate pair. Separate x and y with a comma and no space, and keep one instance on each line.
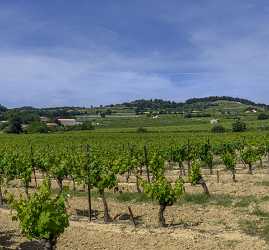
(93,52)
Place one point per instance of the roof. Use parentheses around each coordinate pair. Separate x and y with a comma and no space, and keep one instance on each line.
(67,120)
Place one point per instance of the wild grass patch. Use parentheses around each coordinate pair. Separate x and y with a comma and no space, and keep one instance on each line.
(262,183)
(202,199)
(245,201)
(258,227)
(132,197)
(249,227)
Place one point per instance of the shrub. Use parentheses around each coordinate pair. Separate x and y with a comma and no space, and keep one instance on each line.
(37,127)
(196,177)
(3,125)
(41,217)
(263,128)
(218,128)
(141,130)
(229,160)
(263,116)
(188,115)
(239,126)
(14,125)
(87,126)
(161,190)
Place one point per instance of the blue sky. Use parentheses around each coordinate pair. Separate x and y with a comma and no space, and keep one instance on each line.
(91,52)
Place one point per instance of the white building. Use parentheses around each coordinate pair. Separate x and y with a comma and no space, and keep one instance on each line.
(68,122)
(214,121)
(44,119)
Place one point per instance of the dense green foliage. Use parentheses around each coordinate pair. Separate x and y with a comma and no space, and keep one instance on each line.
(42,216)
(14,125)
(224,98)
(229,160)
(97,159)
(218,128)
(263,116)
(37,127)
(239,126)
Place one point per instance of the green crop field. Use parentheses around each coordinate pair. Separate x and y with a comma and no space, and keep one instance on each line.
(146,162)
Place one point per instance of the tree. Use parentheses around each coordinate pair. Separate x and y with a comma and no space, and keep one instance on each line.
(190,154)
(178,155)
(58,166)
(102,176)
(8,172)
(263,116)
(37,127)
(218,128)
(2,108)
(229,160)
(87,125)
(261,152)
(249,156)
(131,161)
(108,112)
(239,126)
(141,130)
(160,188)
(24,169)
(196,177)
(85,161)
(14,126)
(162,191)
(206,155)
(3,125)
(41,217)
(2,177)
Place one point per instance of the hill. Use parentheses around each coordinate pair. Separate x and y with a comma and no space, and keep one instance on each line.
(197,107)
(212,103)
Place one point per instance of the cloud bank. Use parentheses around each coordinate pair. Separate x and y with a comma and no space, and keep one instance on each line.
(84,54)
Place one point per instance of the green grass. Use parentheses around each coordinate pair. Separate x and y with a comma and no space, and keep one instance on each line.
(260,213)
(191,198)
(79,193)
(223,200)
(132,197)
(249,227)
(264,198)
(258,227)
(262,183)
(202,199)
(195,198)
(255,228)
(173,122)
(245,201)
(265,232)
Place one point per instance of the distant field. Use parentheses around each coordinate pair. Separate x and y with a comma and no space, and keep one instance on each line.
(108,138)
(172,122)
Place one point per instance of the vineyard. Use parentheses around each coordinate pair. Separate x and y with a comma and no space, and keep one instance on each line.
(197,190)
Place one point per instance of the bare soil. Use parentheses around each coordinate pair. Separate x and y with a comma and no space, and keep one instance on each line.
(192,225)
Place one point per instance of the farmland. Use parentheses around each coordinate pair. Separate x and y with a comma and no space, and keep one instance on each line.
(131,125)
(173,183)
(234,216)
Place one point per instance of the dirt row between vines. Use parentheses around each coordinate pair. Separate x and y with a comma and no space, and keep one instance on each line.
(193,226)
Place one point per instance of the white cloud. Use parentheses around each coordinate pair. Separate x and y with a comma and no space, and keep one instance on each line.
(39,80)
(221,51)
